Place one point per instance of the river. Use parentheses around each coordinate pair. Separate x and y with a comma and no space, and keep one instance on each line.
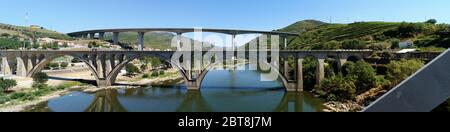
(221,91)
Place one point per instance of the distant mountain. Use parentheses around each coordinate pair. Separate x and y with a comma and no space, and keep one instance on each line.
(28,32)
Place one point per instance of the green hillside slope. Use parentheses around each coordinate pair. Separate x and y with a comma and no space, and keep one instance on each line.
(27,32)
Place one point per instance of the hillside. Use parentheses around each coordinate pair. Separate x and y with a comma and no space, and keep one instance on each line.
(27,32)
(377,35)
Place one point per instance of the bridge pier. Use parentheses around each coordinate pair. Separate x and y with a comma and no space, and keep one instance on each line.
(179,41)
(341,63)
(102,83)
(320,71)
(6,69)
(115,38)
(192,85)
(92,35)
(299,75)
(101,35)
(21,66)
(85,36)
(140,41)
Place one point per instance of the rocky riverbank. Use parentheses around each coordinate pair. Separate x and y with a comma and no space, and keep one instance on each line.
(349,106)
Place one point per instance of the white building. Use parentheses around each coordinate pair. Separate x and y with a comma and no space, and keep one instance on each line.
(406,44)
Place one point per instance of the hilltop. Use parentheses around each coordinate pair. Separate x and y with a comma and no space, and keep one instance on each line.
(302,26)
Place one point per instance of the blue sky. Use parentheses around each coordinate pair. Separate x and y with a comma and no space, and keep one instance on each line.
(73,15)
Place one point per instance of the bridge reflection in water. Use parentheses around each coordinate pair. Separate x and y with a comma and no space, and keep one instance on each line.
(178,100)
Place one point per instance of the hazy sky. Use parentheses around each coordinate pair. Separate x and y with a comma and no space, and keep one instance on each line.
(73,15)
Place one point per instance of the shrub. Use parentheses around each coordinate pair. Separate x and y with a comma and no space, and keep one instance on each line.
(145,76)
(6,84)
(155,74)
(131,69)
(431,21)
(64,64)
(53,65)
(40,77)
(17,95)
(353,44)
(364,75)
(39,80)
(4,99)
(400,70)
(338,88)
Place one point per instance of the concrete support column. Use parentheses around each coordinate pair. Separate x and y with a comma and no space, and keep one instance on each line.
(21,67)
(108,64)
(101,35)
(299,75)
(85,36)
(286,70)
(100,70)
(92,35)
(31,63)
(192,86)
(140,41)
(233,46)
(285,43)
(115,38)
(6,69)
(341,63)
(179,41)
(320,73)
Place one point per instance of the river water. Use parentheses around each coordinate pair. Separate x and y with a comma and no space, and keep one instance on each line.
(222,91)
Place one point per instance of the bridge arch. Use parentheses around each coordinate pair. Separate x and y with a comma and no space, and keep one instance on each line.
(210,67)
(48,58)
(111,78)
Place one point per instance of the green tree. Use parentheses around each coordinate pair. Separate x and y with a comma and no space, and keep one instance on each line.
(35,45)
(6,35)
(39,80)
(45,46)
(395,43)
(55,46)
(65,45)
(353,44)
(337,88)
(401,70)
(309,67)
(93,44)
(6,84)
(131,69)
(53,65)
(64,65)
(76,60)
(431,21)
(364,75)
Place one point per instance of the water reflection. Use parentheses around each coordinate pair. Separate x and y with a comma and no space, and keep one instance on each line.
(106,101)
(222,91)
(178,100)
